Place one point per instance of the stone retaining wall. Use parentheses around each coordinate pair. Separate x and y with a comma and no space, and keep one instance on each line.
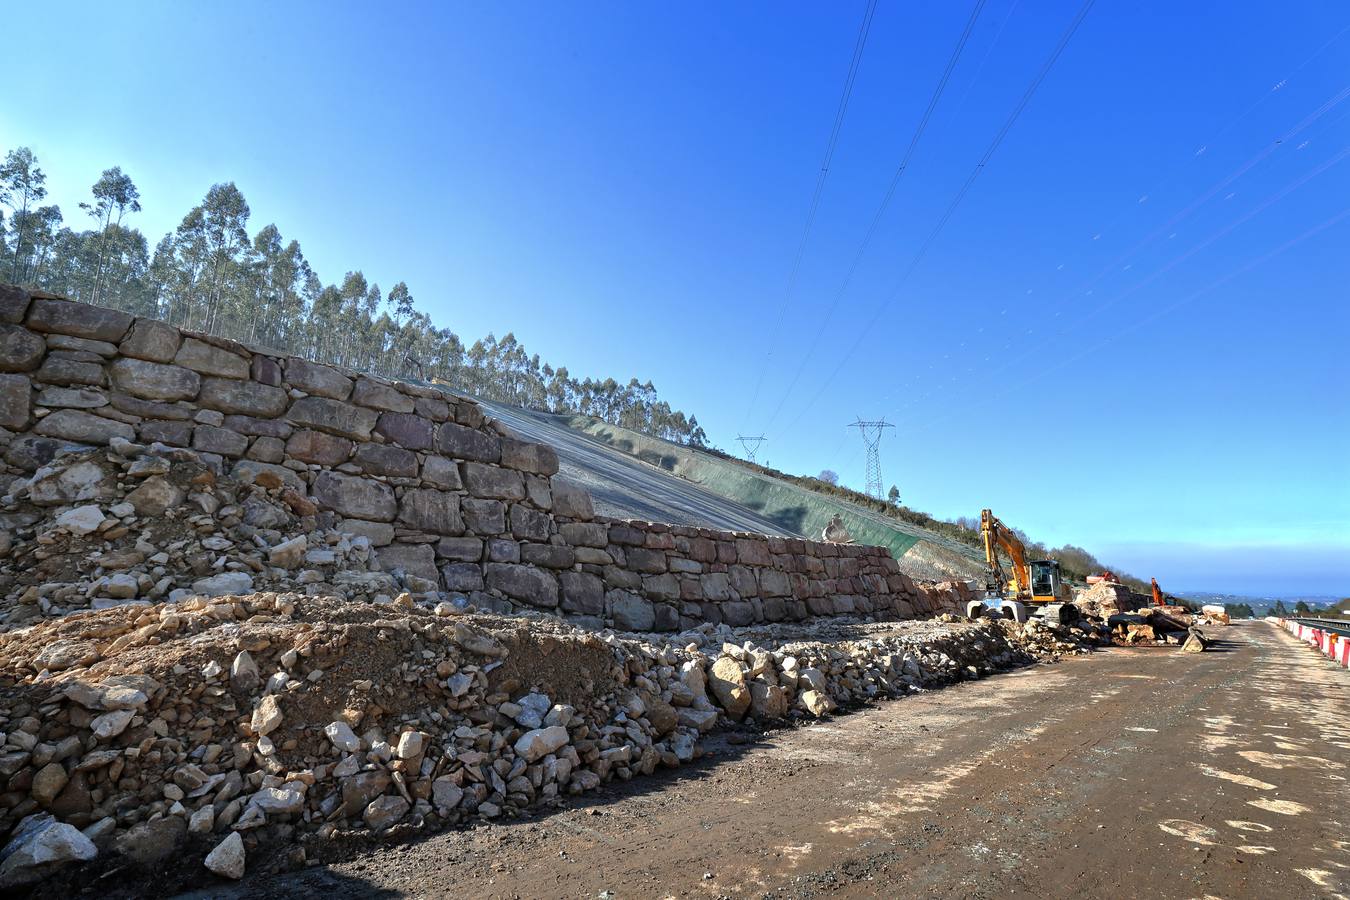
(450,500)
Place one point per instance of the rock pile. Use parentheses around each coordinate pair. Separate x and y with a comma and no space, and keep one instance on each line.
(136,525)
(227,723)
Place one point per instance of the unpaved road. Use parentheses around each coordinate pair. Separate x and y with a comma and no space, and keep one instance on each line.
(1145,773)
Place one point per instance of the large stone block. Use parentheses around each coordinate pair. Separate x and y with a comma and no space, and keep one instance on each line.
(259,427)
(14,302)
(333,416)
(381,534)
(629,611)
(463,576)
(529,524)
(382,459)
(410,559)
(359,498)
(773,583)
(317,379)
(493,482)
(318,448)
(538,459)
(210,439)
(649,562)
(716,586)
(460,442)
(175,433)
(409,431)
(79,319)
(16,393)
(441,472)
(199,356)
(154,381)
(152,340)
(247,398)
(582,593)
(738,613)
(549,556)
(20,349)
(460,549)
(430,510)
(585,534)
(484,516)
(571,501)
(528,584)
(369,392)
(82,427)
(60,369)
(752,552)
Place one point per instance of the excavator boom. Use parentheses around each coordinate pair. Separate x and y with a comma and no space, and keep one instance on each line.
(1032,583)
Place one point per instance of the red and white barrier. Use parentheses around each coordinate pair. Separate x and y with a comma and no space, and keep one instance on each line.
(1332,645)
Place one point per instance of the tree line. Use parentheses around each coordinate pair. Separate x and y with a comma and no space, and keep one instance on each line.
(209,275)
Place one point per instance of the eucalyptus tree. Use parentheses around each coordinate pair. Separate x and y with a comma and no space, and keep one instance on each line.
(114,196)
(22,184)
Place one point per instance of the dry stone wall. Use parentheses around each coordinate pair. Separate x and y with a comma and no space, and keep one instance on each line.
(449,500)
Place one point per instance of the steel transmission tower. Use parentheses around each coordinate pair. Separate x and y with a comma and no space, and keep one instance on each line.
(751,444)
(871,435)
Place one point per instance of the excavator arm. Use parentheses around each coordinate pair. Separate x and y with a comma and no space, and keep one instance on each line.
(998,536)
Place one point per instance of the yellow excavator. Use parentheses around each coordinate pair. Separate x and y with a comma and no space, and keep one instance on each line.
(1032,588)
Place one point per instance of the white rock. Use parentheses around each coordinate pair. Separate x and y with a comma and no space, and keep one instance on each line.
(81,520)
(445,793)
(534,745)
(266,715)
(226,583)
(287,555)
(111,724)
(533,708)
(40,846)
(410,744)
(121,586)
(282,800)
(203,820)
(227,860)
(342,736)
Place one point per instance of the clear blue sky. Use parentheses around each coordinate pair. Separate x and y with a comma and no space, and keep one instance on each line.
(1085,347)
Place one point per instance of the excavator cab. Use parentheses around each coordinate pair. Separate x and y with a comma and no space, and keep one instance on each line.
(1045,581)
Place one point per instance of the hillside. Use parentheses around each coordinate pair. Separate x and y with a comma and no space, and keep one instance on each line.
(633,474)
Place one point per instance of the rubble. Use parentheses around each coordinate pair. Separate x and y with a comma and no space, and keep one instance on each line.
(281,717)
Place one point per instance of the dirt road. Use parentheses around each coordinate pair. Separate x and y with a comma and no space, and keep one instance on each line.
(1144,772)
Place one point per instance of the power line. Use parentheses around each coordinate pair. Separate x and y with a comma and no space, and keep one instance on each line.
(885,204)
(956,201)
(854,64)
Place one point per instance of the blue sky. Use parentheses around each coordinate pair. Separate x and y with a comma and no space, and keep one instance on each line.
(1129,335)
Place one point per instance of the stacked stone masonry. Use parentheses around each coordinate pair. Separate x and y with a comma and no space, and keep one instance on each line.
(449,500)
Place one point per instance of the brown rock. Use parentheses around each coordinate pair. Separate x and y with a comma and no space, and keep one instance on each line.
(59,368)
(154,496)
(318,448)
(76,425)
(16,393)
(20,349)
(334,417)
(209,359)
(369,392)
(78,319)
(460,442)
(441,472)
(409,431)
(243,397)
(430,510)
(211,439)
(571,501)
(382,459)
(265,370)
(358,498)
(317,379)
(154,381)
(538,459)
(151,340)
(14,302)
(493,482)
